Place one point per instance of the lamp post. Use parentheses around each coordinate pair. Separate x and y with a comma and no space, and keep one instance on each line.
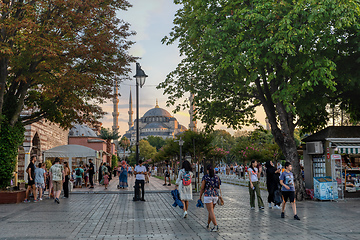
(181,143)
(140,80)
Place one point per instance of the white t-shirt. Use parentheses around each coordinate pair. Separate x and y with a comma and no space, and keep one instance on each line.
(253,174)
(139,169)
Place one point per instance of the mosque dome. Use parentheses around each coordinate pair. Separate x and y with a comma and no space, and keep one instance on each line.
(81,131)
(157,112)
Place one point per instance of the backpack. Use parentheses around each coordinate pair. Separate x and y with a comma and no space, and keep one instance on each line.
(186,179)
(78,172)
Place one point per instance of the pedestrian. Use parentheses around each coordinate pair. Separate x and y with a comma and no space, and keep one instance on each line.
(100,176)
(91,173)
(210,187)
(167,172)
(104,171)
(67,179)
(183,183)
(86,175)
(79,174)
(272,182)
(30,170)
(109,171)
(288,190)
(130,170)
(40,176)
(123,175)
(57,176)
(254,171)
(106,179)
(140,172)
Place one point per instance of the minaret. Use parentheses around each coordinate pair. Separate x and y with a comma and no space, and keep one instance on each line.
(157,104)
(115,113)
(131,121)
(192,124)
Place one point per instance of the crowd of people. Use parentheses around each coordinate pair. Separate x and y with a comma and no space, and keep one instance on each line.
(59,176)
(280,186)
(279,182)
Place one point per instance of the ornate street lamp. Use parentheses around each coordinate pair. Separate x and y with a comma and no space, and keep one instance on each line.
(140,80)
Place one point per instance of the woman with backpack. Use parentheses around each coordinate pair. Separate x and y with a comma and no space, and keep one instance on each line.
(184,184)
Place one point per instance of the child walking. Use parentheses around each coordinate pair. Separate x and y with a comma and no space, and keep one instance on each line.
(288,190)
(106,180)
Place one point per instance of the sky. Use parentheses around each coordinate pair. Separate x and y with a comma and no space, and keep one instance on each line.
(151,20)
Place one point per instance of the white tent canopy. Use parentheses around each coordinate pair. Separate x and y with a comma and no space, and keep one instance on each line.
(70,151)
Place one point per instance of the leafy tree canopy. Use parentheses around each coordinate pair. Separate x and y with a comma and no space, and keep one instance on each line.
(291,57)
(59,59)
(157,142)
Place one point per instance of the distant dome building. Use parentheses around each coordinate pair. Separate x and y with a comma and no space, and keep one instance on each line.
(81,131)
(155,122)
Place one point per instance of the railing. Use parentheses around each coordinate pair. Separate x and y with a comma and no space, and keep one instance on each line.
(236,180)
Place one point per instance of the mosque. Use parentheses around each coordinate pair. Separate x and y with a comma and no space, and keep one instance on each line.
(156,122)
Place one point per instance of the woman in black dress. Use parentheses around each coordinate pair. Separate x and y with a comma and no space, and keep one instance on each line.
(272,182)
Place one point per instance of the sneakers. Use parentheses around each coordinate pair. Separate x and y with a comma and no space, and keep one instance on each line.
(164,184)
(40,199)
(252,208)
(270,206)
(208,226)
(261,208)
(215,228)
(282,215)
(57,200)
(37,200)
(296,217)
(169,184)
(26,201)
(143,200)
(277,207)
(185,214)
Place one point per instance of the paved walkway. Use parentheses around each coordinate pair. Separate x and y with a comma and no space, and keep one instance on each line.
(116,216)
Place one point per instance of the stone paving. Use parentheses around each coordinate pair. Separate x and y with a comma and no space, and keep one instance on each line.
(115,216)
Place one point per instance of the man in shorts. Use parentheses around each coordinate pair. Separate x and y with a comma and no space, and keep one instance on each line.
(40,175)
(57,175)
(30,170)
(288,190)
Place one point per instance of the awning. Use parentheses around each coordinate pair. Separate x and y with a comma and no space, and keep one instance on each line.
(348,148)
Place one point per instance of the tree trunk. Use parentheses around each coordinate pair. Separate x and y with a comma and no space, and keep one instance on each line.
(282,128)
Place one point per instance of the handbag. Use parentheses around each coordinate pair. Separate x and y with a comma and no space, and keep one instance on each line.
(277,197)
(220,201)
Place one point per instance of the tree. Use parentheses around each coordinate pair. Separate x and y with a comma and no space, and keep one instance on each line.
(58,61)
(288,56)
(146,151)
(108,136)
(157,142)
(125,144)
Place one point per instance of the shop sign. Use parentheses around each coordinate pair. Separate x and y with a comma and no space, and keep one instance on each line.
(335,156)
(328,153)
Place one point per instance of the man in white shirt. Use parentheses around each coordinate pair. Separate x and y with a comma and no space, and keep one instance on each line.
(140,172)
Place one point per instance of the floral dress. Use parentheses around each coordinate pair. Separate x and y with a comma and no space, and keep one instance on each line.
(212,185)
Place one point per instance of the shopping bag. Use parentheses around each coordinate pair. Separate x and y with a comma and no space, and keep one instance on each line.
(220,201)
(277,197)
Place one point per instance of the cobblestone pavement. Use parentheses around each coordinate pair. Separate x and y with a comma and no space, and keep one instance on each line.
(116,216)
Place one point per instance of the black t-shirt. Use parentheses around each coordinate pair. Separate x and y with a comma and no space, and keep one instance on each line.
(32,171)
(91,169)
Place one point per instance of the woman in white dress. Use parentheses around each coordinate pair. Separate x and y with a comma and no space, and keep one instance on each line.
(183,183)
